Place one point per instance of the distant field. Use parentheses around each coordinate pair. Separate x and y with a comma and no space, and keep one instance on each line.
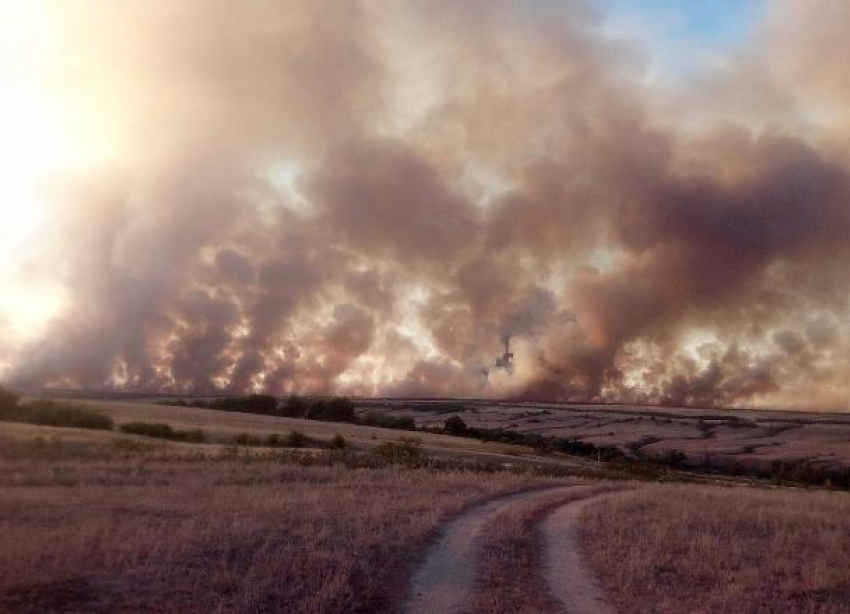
(222,427)
(746,439)
(682,549)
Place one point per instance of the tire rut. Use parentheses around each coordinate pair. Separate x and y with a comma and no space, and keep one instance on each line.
(571,581)
(446,582)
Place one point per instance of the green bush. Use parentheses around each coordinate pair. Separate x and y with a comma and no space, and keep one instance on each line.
(55,413)
(296,439)
(338,442)
(8,402)
(148,429)
(296,407)
(337,409)
(455,425)
(261,404)
(386,421)
(193,436)
(159,430)
(245,439)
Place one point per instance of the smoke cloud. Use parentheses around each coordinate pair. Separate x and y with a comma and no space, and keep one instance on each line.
(365,197)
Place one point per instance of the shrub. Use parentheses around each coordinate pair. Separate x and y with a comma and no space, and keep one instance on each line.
(337,409)
(158,430)
(338,442)
(260,404)
(54,413)
(193,436)
(675,458)
(296,439)
(8,402)
(148,429)
(274,441)
(374,418)
(455,425)
(245,439)
(295,407)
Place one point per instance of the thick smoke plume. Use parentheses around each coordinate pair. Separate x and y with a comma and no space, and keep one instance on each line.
(363,197)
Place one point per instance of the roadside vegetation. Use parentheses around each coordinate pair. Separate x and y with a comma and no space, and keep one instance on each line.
(51,413)
(672,465)
(629,461)
(681,548)
(334,409)
(162,431)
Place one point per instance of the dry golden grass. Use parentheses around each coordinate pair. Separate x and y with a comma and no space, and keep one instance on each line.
(127,532)
(222,426)
(677,549)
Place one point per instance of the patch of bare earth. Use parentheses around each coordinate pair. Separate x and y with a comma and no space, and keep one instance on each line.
(101,534)
(677,549)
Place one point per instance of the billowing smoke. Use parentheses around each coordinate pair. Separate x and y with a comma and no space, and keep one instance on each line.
(365,197)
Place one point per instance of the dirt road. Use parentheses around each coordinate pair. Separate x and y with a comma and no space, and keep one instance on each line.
(569,579)
(446,581)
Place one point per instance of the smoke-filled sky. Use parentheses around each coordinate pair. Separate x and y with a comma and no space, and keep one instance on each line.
(651,199)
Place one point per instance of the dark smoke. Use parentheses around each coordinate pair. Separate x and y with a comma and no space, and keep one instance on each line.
(364,197)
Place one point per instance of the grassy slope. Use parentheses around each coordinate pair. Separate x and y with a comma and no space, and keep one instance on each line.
(223,426)
(123,532)
(678,549)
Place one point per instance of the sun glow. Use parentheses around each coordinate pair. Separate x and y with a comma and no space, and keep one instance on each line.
(31,149)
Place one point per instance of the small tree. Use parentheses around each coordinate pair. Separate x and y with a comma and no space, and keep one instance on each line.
(296,407)
(338,442)
(8,402)
(261,404)
(455,425)
(337,409)
(296,439)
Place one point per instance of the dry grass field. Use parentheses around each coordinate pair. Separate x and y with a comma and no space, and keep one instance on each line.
(103,521)
(747,439)
(222,426)
(88,527)
(693,549)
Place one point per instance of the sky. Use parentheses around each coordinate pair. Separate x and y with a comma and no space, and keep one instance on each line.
(648,198)
(679,35)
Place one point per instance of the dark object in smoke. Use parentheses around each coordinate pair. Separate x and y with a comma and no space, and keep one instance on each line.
(455,425)
(45,412)
(158,430)
(338,442)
